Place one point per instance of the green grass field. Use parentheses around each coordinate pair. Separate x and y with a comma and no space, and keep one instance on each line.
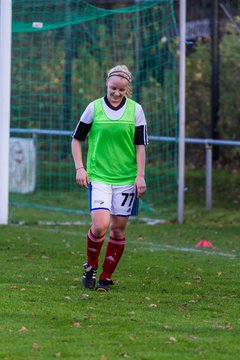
(170,300)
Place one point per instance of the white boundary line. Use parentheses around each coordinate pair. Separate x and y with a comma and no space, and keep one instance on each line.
(159,247)
(148,221)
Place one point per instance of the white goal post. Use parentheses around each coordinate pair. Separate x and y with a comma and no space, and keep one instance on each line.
(181,124)
(5,86)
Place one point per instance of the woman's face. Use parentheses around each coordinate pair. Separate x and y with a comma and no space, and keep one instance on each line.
(117,88)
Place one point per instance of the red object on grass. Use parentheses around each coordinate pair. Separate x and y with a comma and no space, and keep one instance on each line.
(204,243)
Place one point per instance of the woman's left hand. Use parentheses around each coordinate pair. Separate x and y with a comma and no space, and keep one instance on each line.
(140,186)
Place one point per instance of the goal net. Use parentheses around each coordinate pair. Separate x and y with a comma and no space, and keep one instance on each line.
(60,54)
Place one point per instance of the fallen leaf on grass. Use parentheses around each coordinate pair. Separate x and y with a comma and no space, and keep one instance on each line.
(77,324)
(132,338)
(23,329)
(35,346)
(84,297)
(218,326)
(192,337)
(171,340)
(152,305)
(219,273)
(226,326)
(125,355)
(167,327)
(131,313)
(58,354)
(103,357)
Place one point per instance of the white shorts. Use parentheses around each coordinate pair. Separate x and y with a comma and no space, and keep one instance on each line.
(120,200)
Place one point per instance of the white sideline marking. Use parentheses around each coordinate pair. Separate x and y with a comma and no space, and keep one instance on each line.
(63,223)
(159,247)
(148,221)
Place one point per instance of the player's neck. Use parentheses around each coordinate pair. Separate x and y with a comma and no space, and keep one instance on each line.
(115,106)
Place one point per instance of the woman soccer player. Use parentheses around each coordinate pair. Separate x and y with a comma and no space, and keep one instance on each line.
(117,135)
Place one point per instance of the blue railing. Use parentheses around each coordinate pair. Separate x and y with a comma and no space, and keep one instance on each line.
(207,142)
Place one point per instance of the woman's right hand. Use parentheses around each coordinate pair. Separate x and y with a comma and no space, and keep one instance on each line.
(82,177)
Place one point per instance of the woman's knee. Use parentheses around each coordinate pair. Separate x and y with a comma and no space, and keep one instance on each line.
(118,226)
(117,229)
(117,233)
(100,222)
(99,229)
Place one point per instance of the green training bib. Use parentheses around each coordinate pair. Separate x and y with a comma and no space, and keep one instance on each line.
(111,150)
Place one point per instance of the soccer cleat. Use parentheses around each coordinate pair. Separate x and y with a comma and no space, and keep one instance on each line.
(103,285)
(89,276)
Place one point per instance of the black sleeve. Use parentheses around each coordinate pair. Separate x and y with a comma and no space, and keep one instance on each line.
(81,131)
(141,137)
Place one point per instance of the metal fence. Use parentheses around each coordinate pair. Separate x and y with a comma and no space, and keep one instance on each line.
(208,143)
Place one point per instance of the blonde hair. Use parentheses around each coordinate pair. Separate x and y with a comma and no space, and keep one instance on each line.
(122,71)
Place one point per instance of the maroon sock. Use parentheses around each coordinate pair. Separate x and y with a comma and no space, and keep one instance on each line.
(94,245)
(113,254)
